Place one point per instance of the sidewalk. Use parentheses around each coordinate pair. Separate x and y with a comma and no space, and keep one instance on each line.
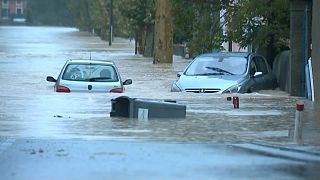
(308,154)
(96,159)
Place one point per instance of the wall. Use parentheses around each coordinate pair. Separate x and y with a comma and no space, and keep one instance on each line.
(316,48)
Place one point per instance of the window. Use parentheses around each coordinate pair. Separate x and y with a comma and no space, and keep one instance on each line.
(18,2)
(19,11)
(253,68)
(5,2)
(261,65)
(217,65)
(90,72)
(4,12)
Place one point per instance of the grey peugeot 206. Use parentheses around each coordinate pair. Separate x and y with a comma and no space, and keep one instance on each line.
(226,72)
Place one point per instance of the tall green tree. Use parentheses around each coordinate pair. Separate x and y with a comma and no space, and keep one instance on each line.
(197,23)
(140,15)
(264,24)
(48,12)
(80,12)
(93,15)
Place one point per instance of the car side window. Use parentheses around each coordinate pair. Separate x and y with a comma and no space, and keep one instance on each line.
(253,68)
(261,65)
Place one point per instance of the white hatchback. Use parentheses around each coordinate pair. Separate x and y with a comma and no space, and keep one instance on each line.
(89,76)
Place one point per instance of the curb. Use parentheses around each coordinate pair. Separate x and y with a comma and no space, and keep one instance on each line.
(280,152)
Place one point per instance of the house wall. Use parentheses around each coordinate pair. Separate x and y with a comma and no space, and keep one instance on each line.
(13,6)
(315,49)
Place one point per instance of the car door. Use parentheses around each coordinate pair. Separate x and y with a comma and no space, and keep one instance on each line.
(255,82)
(266,81)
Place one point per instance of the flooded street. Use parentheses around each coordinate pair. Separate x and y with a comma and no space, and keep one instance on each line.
(30,108)
(72,136)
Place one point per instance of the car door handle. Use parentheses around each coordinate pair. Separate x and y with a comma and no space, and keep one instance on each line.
(89,87)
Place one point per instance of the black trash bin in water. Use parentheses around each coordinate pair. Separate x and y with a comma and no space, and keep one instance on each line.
(146,108)
(120,107)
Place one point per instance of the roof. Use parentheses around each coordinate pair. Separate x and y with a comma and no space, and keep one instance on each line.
(88,61)
(226,54)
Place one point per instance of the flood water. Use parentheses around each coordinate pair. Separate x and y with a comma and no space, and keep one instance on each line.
(30,108)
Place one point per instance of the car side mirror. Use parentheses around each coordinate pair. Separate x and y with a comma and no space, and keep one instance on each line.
(127,82)
(257,74)
(179,74)
(51,79)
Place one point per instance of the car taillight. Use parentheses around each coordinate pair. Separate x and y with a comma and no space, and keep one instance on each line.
(117,90)
(60,88)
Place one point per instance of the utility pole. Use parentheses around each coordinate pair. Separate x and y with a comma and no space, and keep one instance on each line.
(163,43)
(110,24)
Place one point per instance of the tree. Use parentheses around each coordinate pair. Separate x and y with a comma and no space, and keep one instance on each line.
(93,15)
(264,24)
(48,12)
(80,12)
(163,33)
(207,31)
(197,24)
(140,15)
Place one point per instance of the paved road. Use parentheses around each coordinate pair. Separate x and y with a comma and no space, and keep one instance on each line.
(25,159)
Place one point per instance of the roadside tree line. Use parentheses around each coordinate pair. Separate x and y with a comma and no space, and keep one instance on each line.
(201,25)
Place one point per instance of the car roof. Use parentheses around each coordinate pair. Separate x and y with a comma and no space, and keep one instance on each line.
(226,54)
(89,61)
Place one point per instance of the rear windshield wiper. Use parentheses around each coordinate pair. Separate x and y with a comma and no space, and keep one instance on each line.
(219,70)
(98,78)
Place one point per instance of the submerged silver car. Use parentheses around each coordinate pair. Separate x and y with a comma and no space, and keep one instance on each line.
(89,76)
(226,73)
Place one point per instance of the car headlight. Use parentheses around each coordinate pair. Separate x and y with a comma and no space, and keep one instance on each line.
(233,89)
(175,87)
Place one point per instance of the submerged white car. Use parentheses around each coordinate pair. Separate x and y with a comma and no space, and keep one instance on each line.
(226,73)
(89,76)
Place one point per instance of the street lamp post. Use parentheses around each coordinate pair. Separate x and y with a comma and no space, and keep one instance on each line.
(110,24)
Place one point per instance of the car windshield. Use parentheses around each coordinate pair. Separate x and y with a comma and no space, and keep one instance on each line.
(228,65)
(90,72)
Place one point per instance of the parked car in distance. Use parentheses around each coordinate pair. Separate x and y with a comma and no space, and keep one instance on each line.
(89,76)
(226,72)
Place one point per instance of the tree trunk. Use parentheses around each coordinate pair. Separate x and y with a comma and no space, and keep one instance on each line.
(163,32)
(141,35)
(149,41)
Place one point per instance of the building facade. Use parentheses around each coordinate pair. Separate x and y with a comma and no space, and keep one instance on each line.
(12,10)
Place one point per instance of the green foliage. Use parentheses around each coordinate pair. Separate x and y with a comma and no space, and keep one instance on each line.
(259,22)
(250,22)
(138,12)
(94,15)
(195,22)
(49,12)
(182,20)
(80,12)
(140,15)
